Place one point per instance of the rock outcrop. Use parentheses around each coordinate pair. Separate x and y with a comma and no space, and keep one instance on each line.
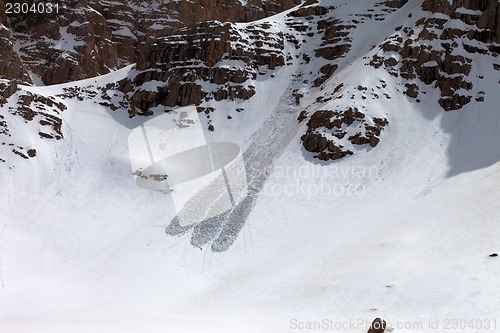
(444,64)
(192,53)
(44,110)
(7,89)
(11,67)
(32,109)
(87,38)
(74,44)
(173,68)
(378,326)
(329,132)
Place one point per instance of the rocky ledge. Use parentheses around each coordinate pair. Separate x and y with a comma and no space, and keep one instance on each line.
(209,61)
(330,131)
(65,46)
(438,49)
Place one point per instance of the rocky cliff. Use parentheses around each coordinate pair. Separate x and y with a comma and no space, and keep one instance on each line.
(88,38)
(195,53)
(211,52)
(436,50)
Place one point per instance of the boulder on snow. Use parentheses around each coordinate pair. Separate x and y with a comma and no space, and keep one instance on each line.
(378,326)
(32,152)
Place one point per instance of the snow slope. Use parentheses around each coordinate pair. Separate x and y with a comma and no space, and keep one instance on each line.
(401,232)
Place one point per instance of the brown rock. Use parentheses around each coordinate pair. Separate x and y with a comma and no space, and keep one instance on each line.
(31,152)
(348,116)
(378,326)
(327,71)
(302,116)
(381,122)
(395,3)
(373,141)
(310,141)
(454,102)
(3,15)
(93,54)
(411,90)
(320,118)
(333,52)
(309,11)
(7,89)
(437,6)
(188,47)
(114,33)
(11,66)
(358,139)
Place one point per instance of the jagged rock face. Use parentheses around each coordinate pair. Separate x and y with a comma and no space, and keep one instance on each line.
(141,23)
(488,19)
(336,39)
(395,3)
(329,132)
(89,38)
(185,60)
(31,108)
(210,42)
(189,13)
(485,15)
(335,44)
(11,67)
(94,54)
(205,43)
(443,65)
(7,89)
(214,61)
(3,15)
(333,134)
(66,46)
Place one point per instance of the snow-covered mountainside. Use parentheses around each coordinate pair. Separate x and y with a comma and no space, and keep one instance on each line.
(368,135)
(77,39)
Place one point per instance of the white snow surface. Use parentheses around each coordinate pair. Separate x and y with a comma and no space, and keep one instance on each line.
(402,231)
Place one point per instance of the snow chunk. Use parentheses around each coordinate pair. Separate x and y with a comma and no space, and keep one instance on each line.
(432,63)
(462,10)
